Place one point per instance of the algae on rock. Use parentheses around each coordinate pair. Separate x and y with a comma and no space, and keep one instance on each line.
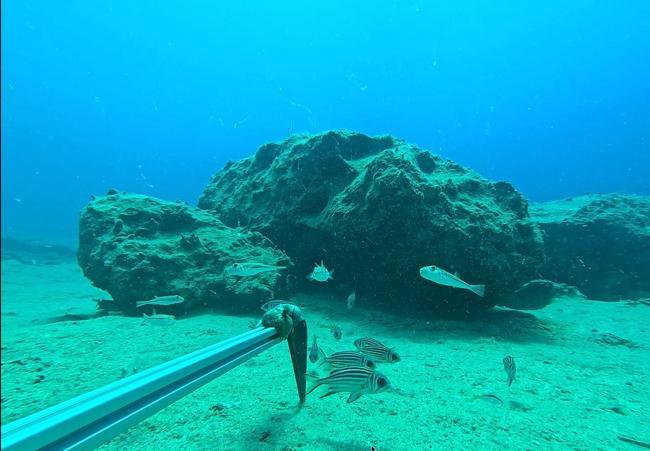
(377,209)
(137,247)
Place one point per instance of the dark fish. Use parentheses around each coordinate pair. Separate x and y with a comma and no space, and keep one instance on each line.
(356,380)
(510,368)
(347,358)
(314,352)
(377,350)
(336,332)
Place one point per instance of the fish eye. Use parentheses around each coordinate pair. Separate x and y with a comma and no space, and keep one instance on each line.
(370,364)
(381,382)
(394,357)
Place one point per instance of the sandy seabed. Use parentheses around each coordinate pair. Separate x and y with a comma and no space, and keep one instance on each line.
(582,378)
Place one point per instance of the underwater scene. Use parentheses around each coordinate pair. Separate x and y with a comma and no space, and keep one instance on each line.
(392,225)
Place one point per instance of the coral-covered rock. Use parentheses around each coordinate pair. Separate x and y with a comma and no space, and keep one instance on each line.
(138,247)
(376,209)
(599,243)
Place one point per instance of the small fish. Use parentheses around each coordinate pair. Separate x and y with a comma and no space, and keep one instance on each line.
(442,277)
(347,358)
(272,304)
(159,319)
(336,332)
(490,398)
(249,269)
(377,350)
(162,300)
(352,298)
(320,273)
(356,380)
(510,368)
(314,352)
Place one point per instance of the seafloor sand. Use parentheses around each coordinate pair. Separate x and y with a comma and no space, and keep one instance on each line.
(572,391)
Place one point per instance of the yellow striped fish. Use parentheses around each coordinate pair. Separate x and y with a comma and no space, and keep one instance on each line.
(356,380)
(346,358)
(377,350)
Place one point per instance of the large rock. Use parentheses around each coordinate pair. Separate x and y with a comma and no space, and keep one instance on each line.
(138,247)
(598,243)
(377,209)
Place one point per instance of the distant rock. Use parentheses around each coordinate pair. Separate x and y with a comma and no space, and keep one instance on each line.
(137,247)
(32,252)
(539,293)
(376,209)
(598,243)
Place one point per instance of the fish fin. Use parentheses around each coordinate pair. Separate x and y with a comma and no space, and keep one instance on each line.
(329,393)
(478,289)
(322,356)
(313,387)
(321,263)
(354,396)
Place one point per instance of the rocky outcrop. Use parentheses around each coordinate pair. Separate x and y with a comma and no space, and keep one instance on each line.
(376,209)
(598,243)
(138,247)
(539,293)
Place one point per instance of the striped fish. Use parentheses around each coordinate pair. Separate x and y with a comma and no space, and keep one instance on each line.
(314,352)
(376,350)
(347,358)
(361,343)
(356,380)
(510,368)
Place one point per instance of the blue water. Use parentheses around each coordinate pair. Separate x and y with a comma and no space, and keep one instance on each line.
(154,97)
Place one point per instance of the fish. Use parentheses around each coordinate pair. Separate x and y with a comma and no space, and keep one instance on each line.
(510,368)
(320,273)
(314,351)
(356,380)
(352,298)
(272,304)
(442,277)
(336,332)
(249,269)
(377,350)
(158,319)
(347,358)
(490,398)
(162,300)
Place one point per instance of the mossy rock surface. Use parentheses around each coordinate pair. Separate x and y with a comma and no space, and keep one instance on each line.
(599,243)
(137,247)
(376,209)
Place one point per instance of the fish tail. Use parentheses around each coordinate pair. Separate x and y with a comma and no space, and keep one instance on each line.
(321,356)
(478,289)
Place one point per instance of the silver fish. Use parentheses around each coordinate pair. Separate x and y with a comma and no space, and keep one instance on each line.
(352,298)
(347,358)
(249,269)
(442,277)
(336,332)
(272,304)
(161,300)
(356,380)
(158,319)
(492,399)
(510,368)
(320,273)
(314,351)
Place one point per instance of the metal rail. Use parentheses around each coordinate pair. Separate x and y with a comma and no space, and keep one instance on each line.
(93,418)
